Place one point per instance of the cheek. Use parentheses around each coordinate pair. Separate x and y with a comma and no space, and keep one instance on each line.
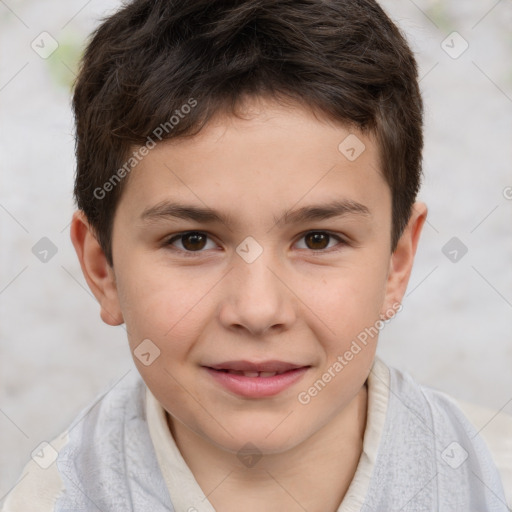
(164,307)
(347,298)
(349,312)
(168,314)
(348,326)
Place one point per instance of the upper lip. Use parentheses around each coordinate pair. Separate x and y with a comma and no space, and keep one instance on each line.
(263,366)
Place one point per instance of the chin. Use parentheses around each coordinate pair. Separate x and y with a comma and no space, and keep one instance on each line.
(259,435)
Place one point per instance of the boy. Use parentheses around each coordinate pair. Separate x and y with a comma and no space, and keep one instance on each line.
(246,184)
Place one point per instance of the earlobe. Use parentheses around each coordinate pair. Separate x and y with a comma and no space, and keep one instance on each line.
(402,259)
(96,269)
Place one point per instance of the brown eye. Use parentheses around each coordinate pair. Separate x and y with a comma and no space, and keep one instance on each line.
(317,240)
(193,241)
(322,242)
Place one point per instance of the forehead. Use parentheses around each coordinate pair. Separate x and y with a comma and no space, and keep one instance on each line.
(274,157)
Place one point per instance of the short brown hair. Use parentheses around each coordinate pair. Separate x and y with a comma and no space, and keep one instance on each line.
(343,58)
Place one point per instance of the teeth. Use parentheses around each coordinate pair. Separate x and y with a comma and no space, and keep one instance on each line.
(252,374)
(267,374)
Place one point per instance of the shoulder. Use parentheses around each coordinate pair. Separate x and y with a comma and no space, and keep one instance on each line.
(487,433)
(495,428)
(40,484)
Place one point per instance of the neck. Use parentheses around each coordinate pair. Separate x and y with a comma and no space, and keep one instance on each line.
(313,476)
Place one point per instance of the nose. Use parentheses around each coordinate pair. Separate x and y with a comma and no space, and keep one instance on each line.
(257,297)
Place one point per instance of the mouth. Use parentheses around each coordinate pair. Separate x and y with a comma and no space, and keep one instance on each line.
(256,380)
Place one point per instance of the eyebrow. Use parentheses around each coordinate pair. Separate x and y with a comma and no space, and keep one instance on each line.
(338,208)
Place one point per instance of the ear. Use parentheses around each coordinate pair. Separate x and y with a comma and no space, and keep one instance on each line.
(97,272)
(402,259)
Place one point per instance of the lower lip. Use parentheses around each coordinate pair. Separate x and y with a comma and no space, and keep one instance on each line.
(257,387)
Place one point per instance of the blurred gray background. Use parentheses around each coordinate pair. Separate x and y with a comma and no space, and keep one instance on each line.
(454,332)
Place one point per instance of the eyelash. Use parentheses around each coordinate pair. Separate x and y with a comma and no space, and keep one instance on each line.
(187,253)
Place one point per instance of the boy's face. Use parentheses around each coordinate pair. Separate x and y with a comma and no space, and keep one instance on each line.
(258,285)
